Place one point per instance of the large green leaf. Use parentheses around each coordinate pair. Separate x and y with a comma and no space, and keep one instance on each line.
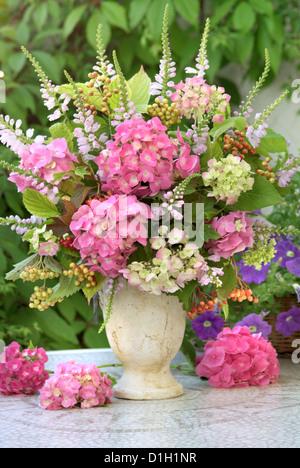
(189,10)
(262,195)
(139,86)
(115,14)
(137,11)
(229,282)
(72,20)
(65,288)
(54,326)
(234,122)
(272,143)
(92,26)
(39,205)
(244,17)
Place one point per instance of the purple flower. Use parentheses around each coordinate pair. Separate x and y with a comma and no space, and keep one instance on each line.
(290,255)
(208,326)
(257,325)
(252,274)
(288,323)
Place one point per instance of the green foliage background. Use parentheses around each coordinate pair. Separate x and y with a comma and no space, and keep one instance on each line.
(61,34)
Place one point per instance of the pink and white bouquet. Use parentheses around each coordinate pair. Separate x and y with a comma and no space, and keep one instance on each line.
(152,183)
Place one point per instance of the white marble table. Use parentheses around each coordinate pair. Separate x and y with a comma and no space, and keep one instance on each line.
(202,417)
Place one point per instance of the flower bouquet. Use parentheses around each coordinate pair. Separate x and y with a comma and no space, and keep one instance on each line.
(152,187)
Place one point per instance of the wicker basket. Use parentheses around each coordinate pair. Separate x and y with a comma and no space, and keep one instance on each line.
(282,344)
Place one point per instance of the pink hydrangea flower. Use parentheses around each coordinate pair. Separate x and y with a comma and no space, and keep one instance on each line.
(238,359)
(195,96)
(76,385)
(45,161)
(22,373)
(105,232)
(236,234)
(142,159)
(48,249)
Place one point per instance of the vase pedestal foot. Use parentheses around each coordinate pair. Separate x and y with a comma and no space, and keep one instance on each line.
(147,385)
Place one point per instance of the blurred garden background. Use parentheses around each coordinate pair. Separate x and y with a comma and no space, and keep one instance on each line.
(62,35)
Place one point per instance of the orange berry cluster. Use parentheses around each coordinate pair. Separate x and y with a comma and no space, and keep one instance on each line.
(83,274)
(241,295)
(269,172)
(238,145)
(206,304)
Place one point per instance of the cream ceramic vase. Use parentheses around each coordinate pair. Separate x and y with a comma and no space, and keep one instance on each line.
(145,333)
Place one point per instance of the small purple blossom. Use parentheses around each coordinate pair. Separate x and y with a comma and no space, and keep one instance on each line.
(256,325)
(252,274)
(288,323)
(290,255)
(208,326)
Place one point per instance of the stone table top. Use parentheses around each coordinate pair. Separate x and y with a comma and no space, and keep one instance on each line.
(203,417)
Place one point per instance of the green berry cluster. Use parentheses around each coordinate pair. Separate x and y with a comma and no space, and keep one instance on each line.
(34,274)
(168,114)
(82,273)
(39,298)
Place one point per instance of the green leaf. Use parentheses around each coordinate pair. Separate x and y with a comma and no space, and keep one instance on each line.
(65,288)
(244,47)
(115,14)
(61,130)
(40,15)
(262,6)
(137,11)
(39,205)
(234,122)
(210,233)
(82,171)
(72,20)
(229,282)
(53,265)
(14,275)
(222,11)
(217,152)
(139,86)
(93,340)
(189,352)
(49,64)
(272,143)
(263,195)
(185,294)
(189,10)
(90,293)
(92,26)
(16,62)
(54,326)
(244,17)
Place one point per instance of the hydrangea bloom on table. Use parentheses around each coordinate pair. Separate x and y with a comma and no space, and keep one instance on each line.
(238,359)
(76,385)
(22,372)
(93,187)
